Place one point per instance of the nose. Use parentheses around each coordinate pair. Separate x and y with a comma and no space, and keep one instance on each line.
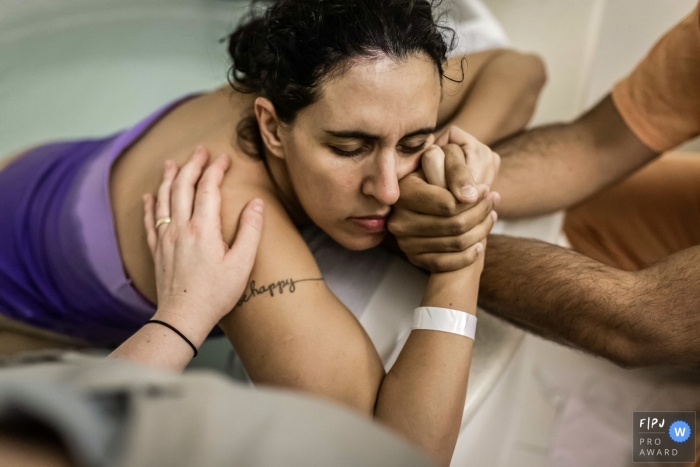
(382,181)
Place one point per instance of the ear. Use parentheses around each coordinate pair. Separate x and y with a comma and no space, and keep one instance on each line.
(269,126)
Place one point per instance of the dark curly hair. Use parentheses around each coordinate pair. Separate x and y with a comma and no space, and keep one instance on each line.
(285,51)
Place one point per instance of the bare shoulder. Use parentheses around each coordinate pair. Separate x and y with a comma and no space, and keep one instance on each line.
(281,243)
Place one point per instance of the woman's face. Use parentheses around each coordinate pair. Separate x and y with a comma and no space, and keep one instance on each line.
(345,154)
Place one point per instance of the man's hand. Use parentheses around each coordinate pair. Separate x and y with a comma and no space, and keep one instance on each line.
(441,230)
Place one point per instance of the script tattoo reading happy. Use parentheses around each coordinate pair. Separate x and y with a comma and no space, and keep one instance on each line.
(270,289)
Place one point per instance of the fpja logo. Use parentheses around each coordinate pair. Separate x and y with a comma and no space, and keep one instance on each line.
(651,423)
(664,436)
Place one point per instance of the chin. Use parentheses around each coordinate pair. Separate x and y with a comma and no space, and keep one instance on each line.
(359,243)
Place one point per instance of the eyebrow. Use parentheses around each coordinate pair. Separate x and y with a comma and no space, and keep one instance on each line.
(355,134)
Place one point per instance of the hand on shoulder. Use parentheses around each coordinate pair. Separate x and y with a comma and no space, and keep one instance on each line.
(199,276)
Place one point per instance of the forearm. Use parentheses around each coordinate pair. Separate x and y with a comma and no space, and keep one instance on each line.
(156,345)
(423,395)
(537,167)
(567,297)
(502,98)
(553,167)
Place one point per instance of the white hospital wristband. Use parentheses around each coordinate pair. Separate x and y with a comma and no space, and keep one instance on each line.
(445,320)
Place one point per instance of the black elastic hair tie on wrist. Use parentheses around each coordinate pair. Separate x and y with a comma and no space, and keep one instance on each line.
(169,326)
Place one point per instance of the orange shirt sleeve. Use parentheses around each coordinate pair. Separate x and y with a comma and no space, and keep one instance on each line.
(660,99)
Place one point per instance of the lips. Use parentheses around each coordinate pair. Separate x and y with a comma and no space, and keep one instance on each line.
(371,224)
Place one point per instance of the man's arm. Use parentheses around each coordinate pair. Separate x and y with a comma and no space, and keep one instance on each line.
(541,171)
(553,167)
(632,318)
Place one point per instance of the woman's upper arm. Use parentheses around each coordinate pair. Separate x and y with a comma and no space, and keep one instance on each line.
(289,329)
(524,69)
(461,72)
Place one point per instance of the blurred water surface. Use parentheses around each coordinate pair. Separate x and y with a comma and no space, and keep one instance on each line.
(81,68)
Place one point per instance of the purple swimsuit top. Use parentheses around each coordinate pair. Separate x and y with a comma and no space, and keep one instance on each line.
(60,267)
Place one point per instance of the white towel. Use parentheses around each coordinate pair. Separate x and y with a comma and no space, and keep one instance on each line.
(476,27)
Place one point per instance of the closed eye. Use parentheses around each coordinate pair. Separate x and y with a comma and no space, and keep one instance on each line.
(412,149)
(353,153)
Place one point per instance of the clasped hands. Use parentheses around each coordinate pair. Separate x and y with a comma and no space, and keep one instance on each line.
(446,209)
(445,212)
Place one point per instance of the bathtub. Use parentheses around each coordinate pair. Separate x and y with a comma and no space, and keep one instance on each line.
(82,68)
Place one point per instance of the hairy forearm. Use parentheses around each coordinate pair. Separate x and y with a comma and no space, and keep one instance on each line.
(502,98)
(553,167)
(423,395)
(572,299)
(537,169)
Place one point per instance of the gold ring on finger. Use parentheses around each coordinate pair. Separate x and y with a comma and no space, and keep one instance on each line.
(162,220)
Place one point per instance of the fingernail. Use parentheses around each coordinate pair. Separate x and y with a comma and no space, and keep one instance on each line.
(479,248)
(257,205)
(200,149)
(494,214)
(469,191)
(496,197)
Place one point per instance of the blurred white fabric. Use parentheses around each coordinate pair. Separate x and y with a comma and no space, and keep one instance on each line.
(476,27)
(595,424)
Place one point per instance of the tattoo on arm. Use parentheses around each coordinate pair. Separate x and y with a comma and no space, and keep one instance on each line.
(253,291)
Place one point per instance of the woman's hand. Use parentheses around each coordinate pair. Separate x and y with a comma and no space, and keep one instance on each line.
(470,166)
(446,209)
(199,277)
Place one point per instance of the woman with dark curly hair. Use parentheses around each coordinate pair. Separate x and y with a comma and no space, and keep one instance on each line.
(331,103)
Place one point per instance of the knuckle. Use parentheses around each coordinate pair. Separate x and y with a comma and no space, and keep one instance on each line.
(461,243)
(456,228)
(434,263)
(405,185)
(394,227)
(432,153)
(471,155)
(447,206)
(195,228)
(469,257)
(448,263)
(417,261)
(483,208)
